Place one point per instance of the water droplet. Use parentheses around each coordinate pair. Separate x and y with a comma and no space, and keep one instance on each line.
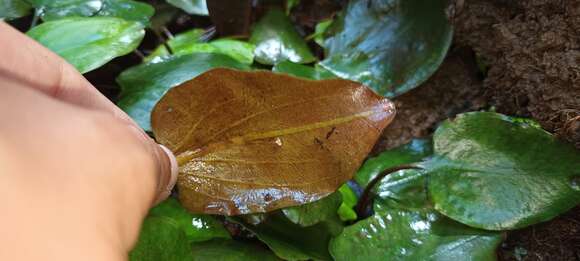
(169,109)
(278,141)
(575,183)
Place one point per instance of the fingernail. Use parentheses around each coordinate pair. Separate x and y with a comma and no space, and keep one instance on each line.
(165,192)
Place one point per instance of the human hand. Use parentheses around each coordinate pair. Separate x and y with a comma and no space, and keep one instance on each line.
(77,176)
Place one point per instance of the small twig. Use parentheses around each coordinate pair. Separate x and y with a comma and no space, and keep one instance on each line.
(139,53)
(366,196)
(35,17)
(208,34)
(167,33)
(163,41)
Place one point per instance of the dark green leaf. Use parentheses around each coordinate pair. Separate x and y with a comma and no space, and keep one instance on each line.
(389,45)
(303,71)
(405,227)
(194,7)
(230,250)
(126,9)
(276,40)
(161,239)
(291,241)
(142,86)
(88,43)
(10,9)
(324,210)
(495,173)
(196,227)
(412,152)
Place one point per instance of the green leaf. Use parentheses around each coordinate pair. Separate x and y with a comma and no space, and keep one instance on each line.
(399,234)
(196,227)
(323,210)
(10,9)
(161,239)
(290,241)
(291,4)
(319,31)
(349,199)
(493,172)
(142,86)
(243,52)
(126,9)
(230,250)
(412,152)
(88,43)
(405,227)
(303,71)
(276,40)
(390,45)
(179,42)
(194,7)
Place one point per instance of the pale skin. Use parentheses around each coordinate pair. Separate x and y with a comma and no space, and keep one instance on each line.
(77,176)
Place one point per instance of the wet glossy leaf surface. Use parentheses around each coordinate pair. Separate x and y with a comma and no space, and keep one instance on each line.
(161,238)
(496,173)
(10,9)
(405,227)
(230,250)
(389,45)
(126,9)
(143,86)
(242,52)
(303,71)
(276,40)
(88,43)
(290,241)
(194,7)
(196,227)
(257,141)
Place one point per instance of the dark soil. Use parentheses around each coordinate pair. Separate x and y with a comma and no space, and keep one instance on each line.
(521,58)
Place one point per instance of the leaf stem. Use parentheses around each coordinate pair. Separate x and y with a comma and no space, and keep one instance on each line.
(366,196)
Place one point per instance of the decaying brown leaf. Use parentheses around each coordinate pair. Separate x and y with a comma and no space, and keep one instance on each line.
(257,141)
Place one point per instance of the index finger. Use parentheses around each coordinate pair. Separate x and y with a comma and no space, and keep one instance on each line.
(25,60)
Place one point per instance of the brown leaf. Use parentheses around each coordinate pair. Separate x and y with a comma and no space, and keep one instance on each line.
(257,141)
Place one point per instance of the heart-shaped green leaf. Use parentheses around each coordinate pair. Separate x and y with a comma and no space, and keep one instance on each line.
(10,9)
(276,40)
(88,43)
(143,86)
(230,250)
(194,7)
(303,71)
(196,227)
(126,9)
(495,173)
(389,45)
